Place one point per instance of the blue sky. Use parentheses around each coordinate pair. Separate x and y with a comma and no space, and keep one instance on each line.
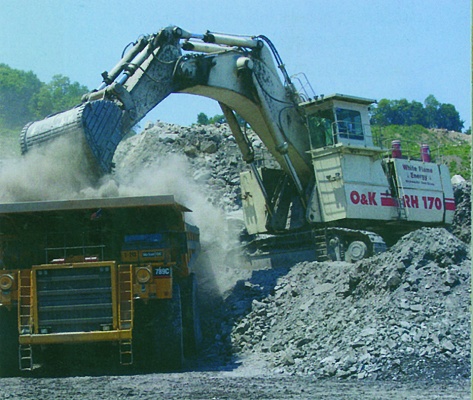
(369,48)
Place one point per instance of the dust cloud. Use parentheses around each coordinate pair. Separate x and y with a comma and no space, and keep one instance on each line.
(58,171)
(172,175)
(61,171)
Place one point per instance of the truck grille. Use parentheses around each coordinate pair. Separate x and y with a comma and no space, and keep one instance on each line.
(74,299)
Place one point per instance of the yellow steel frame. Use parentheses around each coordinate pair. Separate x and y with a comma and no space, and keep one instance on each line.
(76,337)
(29,315)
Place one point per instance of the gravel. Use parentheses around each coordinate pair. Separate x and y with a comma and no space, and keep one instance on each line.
(401,314)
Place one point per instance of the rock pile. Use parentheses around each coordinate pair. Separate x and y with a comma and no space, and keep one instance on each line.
(404,313)
(210,150)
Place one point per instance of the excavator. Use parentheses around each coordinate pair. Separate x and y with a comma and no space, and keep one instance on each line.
(338,186)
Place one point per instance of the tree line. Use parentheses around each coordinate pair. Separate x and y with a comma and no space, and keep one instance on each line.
(430,114)
(24,98)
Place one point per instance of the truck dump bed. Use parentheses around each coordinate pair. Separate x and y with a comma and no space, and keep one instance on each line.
(84,204)
(40,231)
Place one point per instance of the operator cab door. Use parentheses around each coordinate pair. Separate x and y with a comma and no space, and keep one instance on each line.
(321,129)
(348,125)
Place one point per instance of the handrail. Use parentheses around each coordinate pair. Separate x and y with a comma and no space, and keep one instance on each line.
(64,249)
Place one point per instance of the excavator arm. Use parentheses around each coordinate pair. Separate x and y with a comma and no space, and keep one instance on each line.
(237,71)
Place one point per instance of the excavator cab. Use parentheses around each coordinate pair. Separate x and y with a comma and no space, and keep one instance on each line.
(338,119)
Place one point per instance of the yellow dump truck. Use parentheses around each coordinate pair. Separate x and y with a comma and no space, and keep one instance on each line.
(115,271)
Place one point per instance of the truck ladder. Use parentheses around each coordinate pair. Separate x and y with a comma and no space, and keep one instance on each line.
(126,352)
(25,318)
(125,311)
(25,357)
(25,307)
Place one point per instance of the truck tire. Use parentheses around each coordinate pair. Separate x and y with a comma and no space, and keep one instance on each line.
(158,334)
(191,317)
(8,342)
(167,338)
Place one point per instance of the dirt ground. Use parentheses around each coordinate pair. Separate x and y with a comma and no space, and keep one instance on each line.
(238,384)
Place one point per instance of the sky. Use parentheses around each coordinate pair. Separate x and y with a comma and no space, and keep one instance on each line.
(376,49)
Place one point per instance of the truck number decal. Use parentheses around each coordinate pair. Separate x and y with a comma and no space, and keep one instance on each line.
(411,201)
(162,272)
(430,202)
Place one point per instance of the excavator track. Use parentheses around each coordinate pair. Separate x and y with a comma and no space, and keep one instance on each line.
(344,244)
(322,244)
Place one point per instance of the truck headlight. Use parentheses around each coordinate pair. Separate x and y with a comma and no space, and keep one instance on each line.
(6,282)
(143,275)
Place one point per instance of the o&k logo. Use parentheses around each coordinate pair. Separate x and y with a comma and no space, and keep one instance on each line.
(368,199)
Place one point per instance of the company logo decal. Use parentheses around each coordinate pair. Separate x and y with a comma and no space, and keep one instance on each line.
(408,201)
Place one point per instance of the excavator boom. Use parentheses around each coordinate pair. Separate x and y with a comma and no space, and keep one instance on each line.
(239,72)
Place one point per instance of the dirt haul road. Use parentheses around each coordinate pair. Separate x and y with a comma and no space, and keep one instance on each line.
(236,384)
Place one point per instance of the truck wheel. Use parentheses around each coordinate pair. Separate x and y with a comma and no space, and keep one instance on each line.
(191,317)
(158,334)
(8,342)
(168,333)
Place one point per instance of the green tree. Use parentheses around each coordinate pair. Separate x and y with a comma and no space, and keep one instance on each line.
(64,94)
(431,106)
(202,119)
(417,114)
(23,97)
(448,118)
(41,103)
(217,119)
(17,89)
(432,114)
(382,114)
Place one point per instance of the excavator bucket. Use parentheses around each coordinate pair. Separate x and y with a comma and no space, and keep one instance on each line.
(97,125)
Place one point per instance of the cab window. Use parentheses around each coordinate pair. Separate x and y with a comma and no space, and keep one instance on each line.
(349,124)
(320,129)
